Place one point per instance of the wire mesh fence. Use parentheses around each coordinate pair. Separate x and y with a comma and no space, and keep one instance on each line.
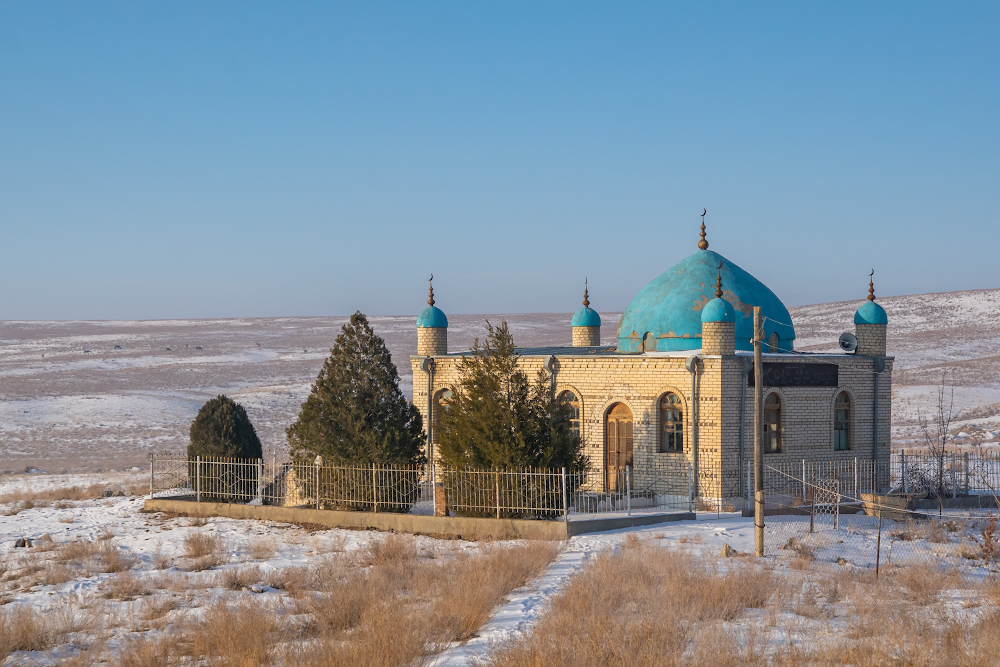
(854,513)
(529,493)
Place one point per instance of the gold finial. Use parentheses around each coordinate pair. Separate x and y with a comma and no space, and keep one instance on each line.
(703,244)
(430,293)
(871,286)
(718,283)
(586,298)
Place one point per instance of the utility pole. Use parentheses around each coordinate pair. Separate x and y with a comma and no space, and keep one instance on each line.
(758,445)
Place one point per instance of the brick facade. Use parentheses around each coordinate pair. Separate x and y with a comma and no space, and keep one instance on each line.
(586,336)
(601,380)
(871,339)
(432,341)
(718,338)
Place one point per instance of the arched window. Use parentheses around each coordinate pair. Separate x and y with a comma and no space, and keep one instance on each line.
(772,343)
(649,343)
(440,405)
(772,423)
(671,424)
(842,422)
(574,403)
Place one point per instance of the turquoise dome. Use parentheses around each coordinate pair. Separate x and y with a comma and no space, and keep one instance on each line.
(586,317)
(432,317)
(870,313)
(718,310)
(671,306)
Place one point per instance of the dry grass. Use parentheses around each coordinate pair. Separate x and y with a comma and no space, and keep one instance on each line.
(142,651)
(238,579)
(115,560)
(262,549)
(199,543)
(27,499)
(22,628)
(393,549)
(126,587)
(632,603)
(925,582)
(233,634)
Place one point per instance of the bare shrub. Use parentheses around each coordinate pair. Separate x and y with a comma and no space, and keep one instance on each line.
(105,533)
(237,579)
(57,573)
(76,551)
(126,586)
(66,519)
(925,582)
(199,543)
(344,605)
(157,606)
(142,651)
(393,549)
(262,549)
(234,633)
(293,580)
(115,559)
(22,628)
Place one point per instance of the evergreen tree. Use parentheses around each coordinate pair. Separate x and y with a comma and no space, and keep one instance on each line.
(355,413)
(497,417)
(223,430)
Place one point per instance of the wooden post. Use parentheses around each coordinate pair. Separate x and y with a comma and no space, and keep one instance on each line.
(151,475)
(758,453)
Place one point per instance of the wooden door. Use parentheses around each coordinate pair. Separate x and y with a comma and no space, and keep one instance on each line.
(618,446)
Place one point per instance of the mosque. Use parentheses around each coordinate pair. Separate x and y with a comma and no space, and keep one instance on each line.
(675,388)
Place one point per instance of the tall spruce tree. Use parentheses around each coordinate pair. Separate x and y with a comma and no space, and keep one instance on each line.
(223,430)
(355,413)
(497,417)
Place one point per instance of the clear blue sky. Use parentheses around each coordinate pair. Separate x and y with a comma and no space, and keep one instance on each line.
(214,159)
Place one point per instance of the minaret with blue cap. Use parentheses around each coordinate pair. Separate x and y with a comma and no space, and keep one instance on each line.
(586,323)
(718,323)
(870,323)
(432,328)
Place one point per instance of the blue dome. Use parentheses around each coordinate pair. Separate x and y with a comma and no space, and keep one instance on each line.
(870,313)
(671,306)
(718,310)
(586,317)
(432,317)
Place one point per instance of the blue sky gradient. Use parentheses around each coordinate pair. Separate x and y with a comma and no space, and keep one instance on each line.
(163,160)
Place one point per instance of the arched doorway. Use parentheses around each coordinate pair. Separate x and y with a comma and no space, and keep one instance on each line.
(617,445)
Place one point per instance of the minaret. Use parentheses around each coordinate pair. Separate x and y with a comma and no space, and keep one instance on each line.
(718,322)
(870,323)
(432,328)
(586,323)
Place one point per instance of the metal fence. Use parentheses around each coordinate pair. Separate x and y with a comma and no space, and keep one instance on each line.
(530,493)
(948,474)
(853,513)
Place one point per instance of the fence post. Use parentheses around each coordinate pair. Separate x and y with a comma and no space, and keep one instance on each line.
(803,480)
(628,489)
(746,505)
(857,492)
(965,457)
(260,480)
(498,493)
(690,486)
(374,486)
(151,475)
(954,481)
(197,478)
(434,494)
(316,465)
(902,468)
(812,502)
(565,497)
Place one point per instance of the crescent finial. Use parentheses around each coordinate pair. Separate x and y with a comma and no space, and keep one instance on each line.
(871,286)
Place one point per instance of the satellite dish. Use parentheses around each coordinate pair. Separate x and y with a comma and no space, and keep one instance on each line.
(848,342)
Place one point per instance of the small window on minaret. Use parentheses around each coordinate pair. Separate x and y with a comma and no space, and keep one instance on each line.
(649,343)
(772,343)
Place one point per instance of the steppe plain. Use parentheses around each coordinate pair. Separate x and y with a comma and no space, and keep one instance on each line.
(100,395)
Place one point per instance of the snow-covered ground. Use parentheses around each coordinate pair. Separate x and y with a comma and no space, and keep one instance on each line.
(63,408)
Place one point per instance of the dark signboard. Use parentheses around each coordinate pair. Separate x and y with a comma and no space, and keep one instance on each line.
(798,375)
